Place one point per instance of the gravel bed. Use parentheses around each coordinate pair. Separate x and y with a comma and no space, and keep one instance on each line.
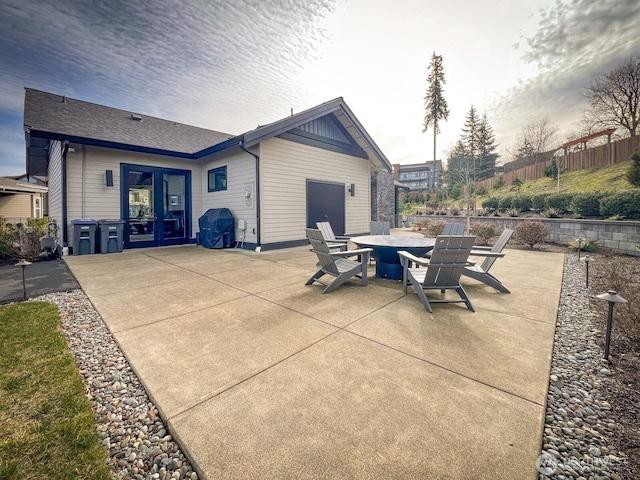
(578,425)
(139,444)
(577,431)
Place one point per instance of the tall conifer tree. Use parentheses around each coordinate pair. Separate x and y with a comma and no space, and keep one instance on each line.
(434,102)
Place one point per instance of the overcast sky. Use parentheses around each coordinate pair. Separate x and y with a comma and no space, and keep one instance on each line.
(233,65)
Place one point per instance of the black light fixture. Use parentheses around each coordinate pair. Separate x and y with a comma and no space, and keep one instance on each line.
(352,190)
(612,297)
(108,178)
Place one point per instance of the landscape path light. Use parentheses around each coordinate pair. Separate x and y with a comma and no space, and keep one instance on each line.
(612,297)
(579,240)
(586,259)
(23,263)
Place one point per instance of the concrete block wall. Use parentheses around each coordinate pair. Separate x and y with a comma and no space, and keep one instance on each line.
(621,236)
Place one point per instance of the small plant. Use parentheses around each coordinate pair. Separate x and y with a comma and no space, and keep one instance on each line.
(499,183)
(513,212)
(516,184)
(435,228)
(483,232)
(482,212)
(531,233)
(482,190)
(587,245)
(551,213)
(455,211)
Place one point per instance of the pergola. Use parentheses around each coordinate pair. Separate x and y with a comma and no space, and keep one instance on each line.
(586,138)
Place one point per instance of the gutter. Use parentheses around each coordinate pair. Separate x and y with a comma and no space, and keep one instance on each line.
(65,149)
(257,192)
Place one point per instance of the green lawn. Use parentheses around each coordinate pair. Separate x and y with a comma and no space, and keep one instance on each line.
(47,427)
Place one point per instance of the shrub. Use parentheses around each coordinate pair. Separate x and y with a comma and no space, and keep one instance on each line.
(499,183)
(551,213)
(9,238)
(587,245)
(435,228)
(455,211)
(513,212)
(482,190)
(491,203)
(586,204)
(483,232)
(482,212)
(516,184)
(505,202)
(537,201)
(633,174)
(531,233)
(560,201)
(551,170)
(521,202)
(625,203)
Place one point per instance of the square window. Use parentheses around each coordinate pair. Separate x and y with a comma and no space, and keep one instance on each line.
(217,179)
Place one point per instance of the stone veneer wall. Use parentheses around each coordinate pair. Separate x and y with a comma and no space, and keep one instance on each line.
(382,197)
(621,236)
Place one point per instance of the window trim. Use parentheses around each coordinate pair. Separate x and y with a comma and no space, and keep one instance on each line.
(213,171)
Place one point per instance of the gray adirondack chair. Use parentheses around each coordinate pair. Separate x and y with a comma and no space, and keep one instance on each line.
(481,272)
(449,257)
(454,229)
(335,243)
(336,264)
(380,228)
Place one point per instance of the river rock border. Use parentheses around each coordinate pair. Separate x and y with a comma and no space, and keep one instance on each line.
(579,427)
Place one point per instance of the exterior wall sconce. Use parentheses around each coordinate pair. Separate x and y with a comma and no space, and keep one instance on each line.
(612,297)
(108,178)
(352,190)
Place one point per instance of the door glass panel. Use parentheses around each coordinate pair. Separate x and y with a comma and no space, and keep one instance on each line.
(173,198)
(141,211)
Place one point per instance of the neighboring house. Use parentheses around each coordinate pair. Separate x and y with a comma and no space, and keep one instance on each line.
(160,176)
(20,199)
(420,176)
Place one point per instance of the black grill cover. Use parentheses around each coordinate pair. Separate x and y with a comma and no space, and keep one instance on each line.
(217,228)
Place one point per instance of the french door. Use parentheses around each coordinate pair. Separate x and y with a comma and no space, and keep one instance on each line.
(155,205)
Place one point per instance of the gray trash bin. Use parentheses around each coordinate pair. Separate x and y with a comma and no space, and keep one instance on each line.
(84,236)
(111,232)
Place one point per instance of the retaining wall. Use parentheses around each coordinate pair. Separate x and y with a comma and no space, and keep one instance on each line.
(621,236)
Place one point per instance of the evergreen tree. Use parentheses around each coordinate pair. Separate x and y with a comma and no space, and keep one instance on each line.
(633,174)
(487,154)
(435,104)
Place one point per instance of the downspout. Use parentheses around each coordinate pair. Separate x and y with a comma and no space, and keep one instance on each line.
(257,192)
(65,149)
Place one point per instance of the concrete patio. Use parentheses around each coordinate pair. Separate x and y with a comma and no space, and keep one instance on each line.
(260,376)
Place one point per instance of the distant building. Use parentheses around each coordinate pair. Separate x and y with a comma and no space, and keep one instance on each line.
(419,176)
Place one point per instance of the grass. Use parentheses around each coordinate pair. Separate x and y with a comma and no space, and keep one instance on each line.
(47,427)
(608,179)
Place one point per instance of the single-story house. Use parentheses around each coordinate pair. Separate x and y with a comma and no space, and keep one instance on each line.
(160,176)
(21,199)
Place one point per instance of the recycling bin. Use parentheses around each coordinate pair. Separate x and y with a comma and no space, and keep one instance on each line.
(84,236)
(111,235)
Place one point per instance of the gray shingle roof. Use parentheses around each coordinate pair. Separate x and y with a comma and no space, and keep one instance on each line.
(8,184)
(58,115)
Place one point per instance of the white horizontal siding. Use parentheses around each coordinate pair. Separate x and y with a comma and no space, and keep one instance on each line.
(89,197)
(54,197)
(285,168)
(241,169)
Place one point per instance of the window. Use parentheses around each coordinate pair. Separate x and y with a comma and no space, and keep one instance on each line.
(217,179)
(37,207)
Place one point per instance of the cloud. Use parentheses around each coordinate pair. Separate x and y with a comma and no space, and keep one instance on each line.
(576,41)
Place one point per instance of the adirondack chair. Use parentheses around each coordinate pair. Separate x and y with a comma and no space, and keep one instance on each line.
(481,272)
(335,243)
(449,257)
(380,228)
(454,229)
(336,264)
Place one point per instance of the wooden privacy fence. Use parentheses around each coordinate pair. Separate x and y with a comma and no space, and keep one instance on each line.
(596,157)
